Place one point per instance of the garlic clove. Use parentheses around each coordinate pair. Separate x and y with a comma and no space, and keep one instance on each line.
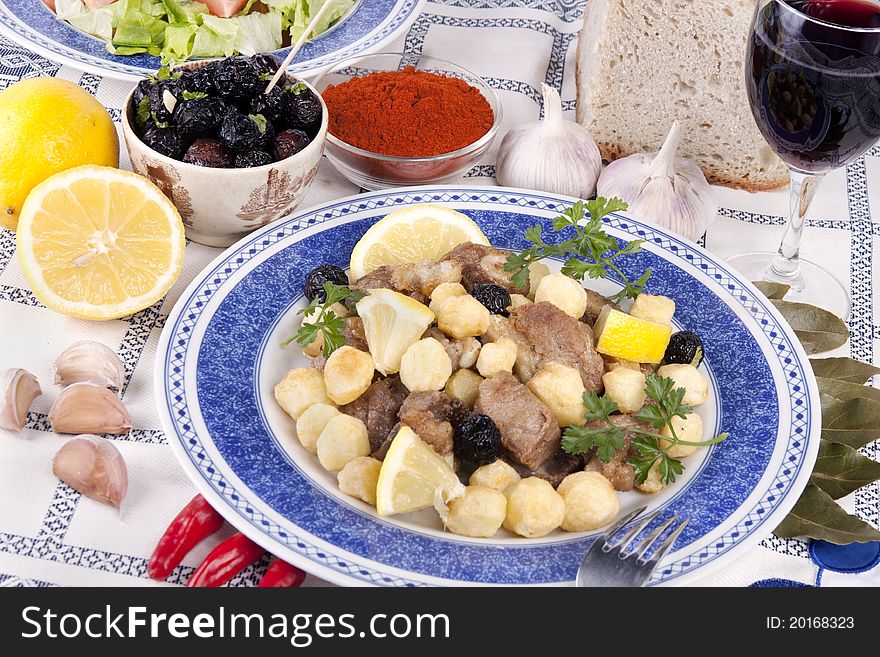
(89,361)
(662,188)
(19,388)
(94,467)
(88,408)
(551,155)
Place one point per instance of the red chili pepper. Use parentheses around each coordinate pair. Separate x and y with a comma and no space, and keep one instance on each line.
(195,522)
(226,560)
(282,575)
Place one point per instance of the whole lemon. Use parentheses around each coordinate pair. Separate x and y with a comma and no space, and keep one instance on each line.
(48,125)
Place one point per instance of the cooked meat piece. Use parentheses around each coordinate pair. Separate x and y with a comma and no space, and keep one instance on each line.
(380,452)
(378,407)
(377,279)
(482,264)
(595,303)
(463,353)
(617,471)
(554,469)
(527,361)
(354,333)
(433,416)
(318,362)
(423,277)
(529,430)
(645,368)
(554,336)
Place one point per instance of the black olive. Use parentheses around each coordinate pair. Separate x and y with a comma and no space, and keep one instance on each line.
(494,297)
(252,159)
(289,142)
(140,92)
(266,63)
(195,119)
(477,440)
(270,105)
(242,133)
(158,102)
(684,348)
(314,287)
(202,79)
(238,79)
(166,141)
(303,110)
(208,153)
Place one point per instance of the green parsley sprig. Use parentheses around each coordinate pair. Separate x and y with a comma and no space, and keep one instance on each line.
(326,322)
(665,403)
(590,252)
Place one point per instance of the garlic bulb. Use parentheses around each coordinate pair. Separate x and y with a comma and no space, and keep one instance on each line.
(94,467)
(662,188)
(18,389)
(552,155)
(88,408)
(91,362)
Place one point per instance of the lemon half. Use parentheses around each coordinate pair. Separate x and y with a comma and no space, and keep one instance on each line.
(410,234)
(630,338)
(392,322)
(98,243)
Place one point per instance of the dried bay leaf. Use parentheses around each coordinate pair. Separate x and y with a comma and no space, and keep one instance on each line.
(840,469)
(817,515)
(817,329)
(854,422)
(835,390)
(843,369)
(772,290)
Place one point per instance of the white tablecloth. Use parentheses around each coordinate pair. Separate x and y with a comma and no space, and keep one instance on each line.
(50,534)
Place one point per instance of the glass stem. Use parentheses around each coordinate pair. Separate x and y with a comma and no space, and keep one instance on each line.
(785,267)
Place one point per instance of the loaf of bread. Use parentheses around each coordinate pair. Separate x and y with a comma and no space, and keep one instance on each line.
(641,64)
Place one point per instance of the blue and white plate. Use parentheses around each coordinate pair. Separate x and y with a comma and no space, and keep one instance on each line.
(369,26)
(219,359)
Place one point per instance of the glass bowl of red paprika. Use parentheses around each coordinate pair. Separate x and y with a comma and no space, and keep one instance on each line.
(399,119)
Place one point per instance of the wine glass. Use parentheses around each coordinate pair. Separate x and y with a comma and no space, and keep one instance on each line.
(813,80)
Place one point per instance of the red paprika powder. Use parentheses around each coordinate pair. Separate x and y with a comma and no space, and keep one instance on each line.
(407,113)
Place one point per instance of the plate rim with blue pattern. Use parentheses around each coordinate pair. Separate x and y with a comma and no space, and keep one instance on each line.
(214,346)
(366,29)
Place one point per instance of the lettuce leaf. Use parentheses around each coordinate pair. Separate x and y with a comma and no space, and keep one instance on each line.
(178,43)
(215,38)
(338,10)
(258,33)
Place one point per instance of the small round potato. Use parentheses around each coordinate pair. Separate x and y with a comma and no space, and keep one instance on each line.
(359,477)
(499,475)
(563,292)
(300,388)
(498,356)
(652,483)
(478,512)
(653,308)
(445,291)
(537,271)
(534,509)
(517,300)
(590,501)
(312,422)
(626,388)
(316,346)
(690,428)
(695,384)
(347,374)
(561,389)
(343,439)
(425,366)
(464,385)
(462,317)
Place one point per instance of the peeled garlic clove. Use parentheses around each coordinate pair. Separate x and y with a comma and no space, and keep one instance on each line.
(19,389)
(91,362)
(94,467)
(88,408)
(551,155)
(662,188)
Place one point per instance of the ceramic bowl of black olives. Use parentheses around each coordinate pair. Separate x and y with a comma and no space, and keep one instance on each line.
(231,157)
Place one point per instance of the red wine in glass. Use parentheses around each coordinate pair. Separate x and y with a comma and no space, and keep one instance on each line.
(813,84)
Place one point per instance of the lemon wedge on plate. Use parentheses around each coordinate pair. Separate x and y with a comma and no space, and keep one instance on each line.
(392,322)
(630,338)
(98,243)
(410,234)
(414,476)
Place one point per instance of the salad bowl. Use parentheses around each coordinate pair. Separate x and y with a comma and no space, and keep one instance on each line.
(220,355)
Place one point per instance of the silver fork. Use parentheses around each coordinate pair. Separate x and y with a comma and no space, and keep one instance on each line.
(610,563)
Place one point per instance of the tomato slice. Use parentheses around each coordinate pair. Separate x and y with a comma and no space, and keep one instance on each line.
(224,8)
